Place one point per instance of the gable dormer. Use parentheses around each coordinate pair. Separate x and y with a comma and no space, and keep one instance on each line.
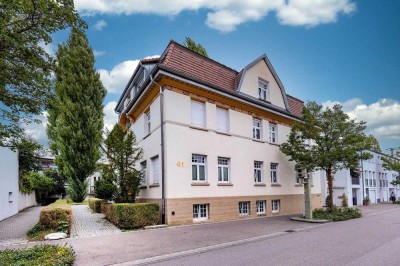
(259,80)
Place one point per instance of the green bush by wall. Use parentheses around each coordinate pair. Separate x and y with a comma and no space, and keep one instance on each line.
(132,215)
(54,214)
(95,204)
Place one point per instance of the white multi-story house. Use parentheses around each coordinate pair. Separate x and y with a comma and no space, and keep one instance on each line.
(371,180)
(211,138)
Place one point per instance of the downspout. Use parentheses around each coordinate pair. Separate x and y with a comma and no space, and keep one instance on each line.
(162,150)
(362,179)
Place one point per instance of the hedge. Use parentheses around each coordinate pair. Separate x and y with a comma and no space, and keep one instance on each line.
(95,204)
(106,208)
(132,215)
(43,255)
(337,214)
(55,214)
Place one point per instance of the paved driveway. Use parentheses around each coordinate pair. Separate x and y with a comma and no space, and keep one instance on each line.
(88,223)
(13,230)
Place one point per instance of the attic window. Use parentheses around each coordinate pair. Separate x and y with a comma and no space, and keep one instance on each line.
(262,89)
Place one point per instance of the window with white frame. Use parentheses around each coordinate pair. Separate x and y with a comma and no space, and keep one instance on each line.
(273,133)
(260,204)
(256,128)
(263,89)
(198,114)
(155,168)
(244,208)
(274,173)
(223,169)
(222,120)
(147,123)
(198,168)
(275,205)
(258,172)
(296,177)
(200,212)
(143,181)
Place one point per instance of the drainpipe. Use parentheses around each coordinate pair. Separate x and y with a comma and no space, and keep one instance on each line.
(162,150)
(362,179)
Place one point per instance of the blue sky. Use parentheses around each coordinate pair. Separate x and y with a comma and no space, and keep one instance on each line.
(328,51)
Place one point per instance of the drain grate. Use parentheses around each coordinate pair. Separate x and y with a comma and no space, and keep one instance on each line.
(290,231)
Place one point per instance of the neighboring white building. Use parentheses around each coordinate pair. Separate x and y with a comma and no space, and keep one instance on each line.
(213,138)
(373,181)
(11,200)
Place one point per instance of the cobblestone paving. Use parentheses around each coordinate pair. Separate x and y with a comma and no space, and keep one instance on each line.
(13,230)
(88,223)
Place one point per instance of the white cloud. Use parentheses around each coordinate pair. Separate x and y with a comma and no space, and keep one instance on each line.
(38,130)
(99,25)
(110,117)
(382,117)
(98,53)
(48,48)
(226,15)
(116,79)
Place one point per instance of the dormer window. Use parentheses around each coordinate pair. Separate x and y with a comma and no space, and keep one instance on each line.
(262,89)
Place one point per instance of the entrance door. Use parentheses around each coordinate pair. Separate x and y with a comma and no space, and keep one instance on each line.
(372,196)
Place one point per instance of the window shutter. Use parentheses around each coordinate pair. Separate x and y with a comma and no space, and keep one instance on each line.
(222,120)
(198,114)
(156,169)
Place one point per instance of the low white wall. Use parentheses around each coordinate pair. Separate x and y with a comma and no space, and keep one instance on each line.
(9,190)
(26,200)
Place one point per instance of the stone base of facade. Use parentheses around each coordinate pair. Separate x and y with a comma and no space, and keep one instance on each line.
(180,211)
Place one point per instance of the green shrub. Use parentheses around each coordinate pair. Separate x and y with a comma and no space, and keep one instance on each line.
(95,204)
(25,184)
(336,214)
(134,215)
(52,215)
(106,208)
(344,200)
(38,234)
(105,189)
(366,201)
(43,255)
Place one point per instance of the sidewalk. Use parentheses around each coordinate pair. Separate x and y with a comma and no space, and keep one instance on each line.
(137,245)
(13,230)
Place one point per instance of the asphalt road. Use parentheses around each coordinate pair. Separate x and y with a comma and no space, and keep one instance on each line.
(371,240)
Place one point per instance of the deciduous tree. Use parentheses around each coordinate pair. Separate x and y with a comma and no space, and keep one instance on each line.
(196,47)
(326,139)
(122,154)
(25,84)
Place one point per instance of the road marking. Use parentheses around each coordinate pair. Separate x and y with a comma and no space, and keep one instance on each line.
(185,253)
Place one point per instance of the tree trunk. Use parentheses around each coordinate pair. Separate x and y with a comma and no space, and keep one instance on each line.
(330,188)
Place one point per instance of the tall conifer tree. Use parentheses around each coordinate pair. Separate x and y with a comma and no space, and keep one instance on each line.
(76,113)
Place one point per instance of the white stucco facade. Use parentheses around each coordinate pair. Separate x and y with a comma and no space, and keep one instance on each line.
(373,182)
(9,191)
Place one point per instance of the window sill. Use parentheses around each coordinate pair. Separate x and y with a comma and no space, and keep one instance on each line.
(275,212)
(154,185)
(223,133)
(260,185)
(258,140)
(298,185)
(261,214)
(275,144)
(199,128)
(148,134)
(276,185)
(225,184)
(199,184)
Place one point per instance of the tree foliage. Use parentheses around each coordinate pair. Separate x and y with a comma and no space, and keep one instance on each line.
(25,84)
(374,143)
(326,139)
(42,184)
(195,47)
(392,163)
(122,154)
(76,114)
(28,152)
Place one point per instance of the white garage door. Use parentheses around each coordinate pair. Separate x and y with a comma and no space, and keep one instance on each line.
(372,196)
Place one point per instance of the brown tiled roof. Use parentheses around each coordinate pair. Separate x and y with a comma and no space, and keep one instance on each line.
(295,105)
(181,59)
(192,64)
